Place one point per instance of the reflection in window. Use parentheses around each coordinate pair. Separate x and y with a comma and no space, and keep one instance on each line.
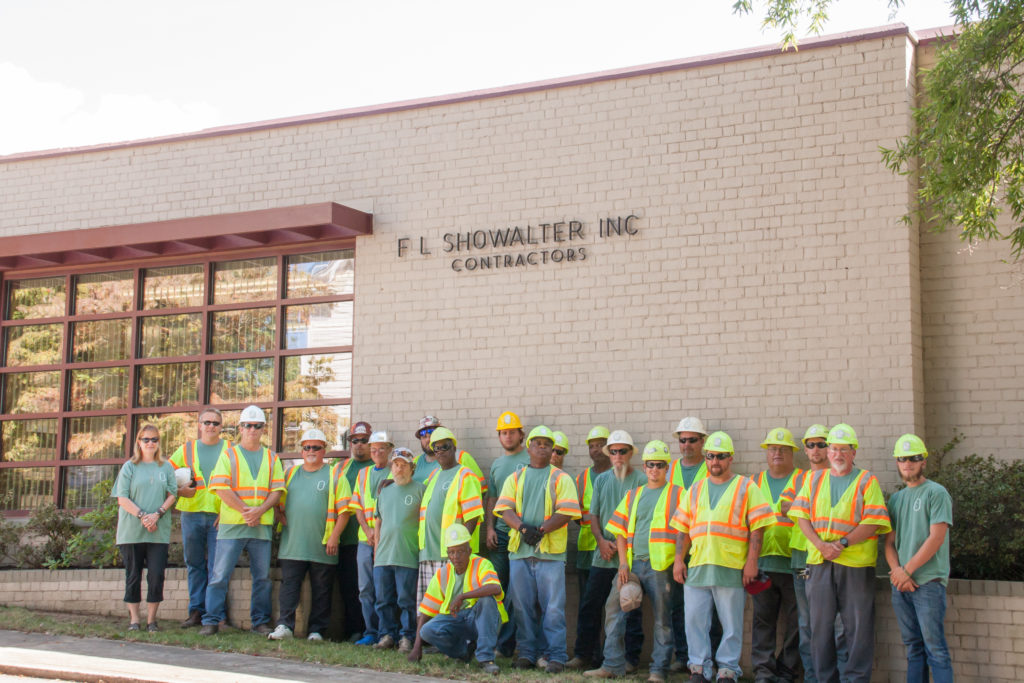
(28,440)
(33,344)
(175,429)
(251,329)
(171,384)
(313,325)
(245,280)
(31,392)
(328,273)
(80,489)
(100,340)
(93,438)
(318,376)
(332,420)
(173,287)
(171,335)
(242,380)
(99,389)
(36,298)
(231,427)
(25,488)
(104,292)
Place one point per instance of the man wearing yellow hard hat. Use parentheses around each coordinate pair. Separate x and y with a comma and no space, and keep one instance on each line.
(842,511)
(917,551)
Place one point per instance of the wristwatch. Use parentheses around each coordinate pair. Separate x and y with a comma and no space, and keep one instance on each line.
(844,542)
(140,514)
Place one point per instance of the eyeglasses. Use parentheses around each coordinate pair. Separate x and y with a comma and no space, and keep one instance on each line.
(312,448)
(689,439)
(655,465)
(442,447)
(717,456)
(149,439)
(426,431)
(559,451)
(251,425)
(366,440)
(618,451)
(910,458)
(817,444)
(210,423)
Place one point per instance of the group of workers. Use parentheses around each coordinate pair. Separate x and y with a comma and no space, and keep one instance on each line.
(429,552)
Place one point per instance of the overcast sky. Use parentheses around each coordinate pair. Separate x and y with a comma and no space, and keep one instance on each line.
(76,73)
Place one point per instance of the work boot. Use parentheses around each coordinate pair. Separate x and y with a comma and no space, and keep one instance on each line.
(656,677)
(600,673)
(523,663)
(208,630)
(262,629)
(385,643)
(542,662)
(490,668)
(578,663)
(195,618)
(554,667)
(404,645)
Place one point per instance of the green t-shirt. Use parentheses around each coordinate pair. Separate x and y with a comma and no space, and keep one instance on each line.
(838,485)
(642,527)
(423,468)
(262,532)
(502,469)
(435,508)
(350,536)
(398,514)
(715,492)
(305,509)
(775,563)
(913,510)
(608,493)
(208,457)
(146,484)
(798,560)
(689,473)
(534,483)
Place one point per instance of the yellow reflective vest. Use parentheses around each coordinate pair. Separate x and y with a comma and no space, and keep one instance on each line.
(662,540)
(480,572)
(203,500)
(559,499)
(585,488)
(232,472)
(339,496)
(365,499)
(797,540)
(462,502)
(776,537)
(675,473)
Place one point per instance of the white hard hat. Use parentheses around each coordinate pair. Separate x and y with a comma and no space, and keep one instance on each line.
(313,435)
(183,476)
(691,424)
(631,595)
(381,437)
(620,437)
(252,414)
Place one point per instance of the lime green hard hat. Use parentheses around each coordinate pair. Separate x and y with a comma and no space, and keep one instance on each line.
(909,444)
(442,433)
(815,431)
(598,432)
(842,433)
(541,431)
(456,534)
(562,441)
(780,436)
(657,450)
(719,442)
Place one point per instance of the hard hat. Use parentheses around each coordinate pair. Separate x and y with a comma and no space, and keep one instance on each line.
(691,424)
(562,441)
(618,437)
(252,414)
(427,422)
(540,431)
(657,450)
(631,595)
(509,420)
(403,453)
(442,433)
(381,437)
(842,433)
(456,534)
(597,432)
(909,444)
(815,432)
(313,435)
(183,476)
(361,428)
(780,436)
(719,442)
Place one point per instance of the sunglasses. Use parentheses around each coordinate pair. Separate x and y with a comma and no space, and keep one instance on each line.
(618,451)
(149,439)
(210,423)
(689,439)
(442,447)
(251,425)
(816,444)
(717,456)
(366,440)
(656,465)
(312,448)
(910,458)
(426,431)
(559,451)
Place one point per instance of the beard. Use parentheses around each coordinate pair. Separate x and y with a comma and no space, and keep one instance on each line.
(912,478)
(620,471)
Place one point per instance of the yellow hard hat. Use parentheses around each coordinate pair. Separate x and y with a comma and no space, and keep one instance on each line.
(542,432)
(815,431)
(562,441)
(719,442)
(456,534)
(780,436)
(442,433)
(509,420)
(842,433)
(909,444)
(657,450)
(597,432)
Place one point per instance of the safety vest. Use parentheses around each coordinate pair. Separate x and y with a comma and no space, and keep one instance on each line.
(252,491)
(720,535)
(797,540)
(203,500)
(367,500)
(661,542)
(861,503)
(338,496)
(585,488)
(776,537)
(559,497)
(466,460)
(479,573)
(675,473)
(462,502)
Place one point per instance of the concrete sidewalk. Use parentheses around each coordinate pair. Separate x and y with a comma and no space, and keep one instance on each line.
(111,661)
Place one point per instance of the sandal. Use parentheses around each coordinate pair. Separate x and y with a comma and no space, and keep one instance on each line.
(134,626)
(152,627)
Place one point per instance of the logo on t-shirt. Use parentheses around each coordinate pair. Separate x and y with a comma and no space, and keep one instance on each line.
(408,500)
(917,505)
(321,485)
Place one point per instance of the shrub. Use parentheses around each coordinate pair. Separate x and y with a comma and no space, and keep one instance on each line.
(45,537)
(94,546)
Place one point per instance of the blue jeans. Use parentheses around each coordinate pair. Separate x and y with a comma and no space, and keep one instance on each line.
(657,587)
(451,634)
(395,588)
(199,539)
(538,593)
(804,620)
(920,615)
(729,603)
(367,599)
(499,558)
(228,552)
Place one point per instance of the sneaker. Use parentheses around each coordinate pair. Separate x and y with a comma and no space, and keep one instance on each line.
(152,627)
(195,618)
(208,630)
(134,626)
(490,668)
(262,629)
(656,677)
(577,663)
(405,645)
(280,633)
(314,636)
(385,643)
(366,640)
(697,677)
(555,667)
(523,663)
(600,673)
(632,668)
(542,663)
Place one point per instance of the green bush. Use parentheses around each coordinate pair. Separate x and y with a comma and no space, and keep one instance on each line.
(94,546)
(45,537)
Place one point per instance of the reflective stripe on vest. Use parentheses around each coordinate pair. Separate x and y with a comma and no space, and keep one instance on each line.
(434,604)
(776,537)
(585,488)
(833,522)
(252,492)
(551,543)
(452,510)
(661,542)
(726,522)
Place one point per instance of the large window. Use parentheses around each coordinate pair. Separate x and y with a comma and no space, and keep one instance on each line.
(89,357)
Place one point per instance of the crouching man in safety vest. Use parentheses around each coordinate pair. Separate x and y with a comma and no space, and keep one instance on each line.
(723,517)
(463,603)
(249,480)
(646,546)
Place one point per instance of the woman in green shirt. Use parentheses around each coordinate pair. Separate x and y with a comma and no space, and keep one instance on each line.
(145,490)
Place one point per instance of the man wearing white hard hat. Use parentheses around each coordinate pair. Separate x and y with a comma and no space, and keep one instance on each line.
(363,506)
(198,508)
(462,603)
(609,488)
(249,480)
(313,510)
